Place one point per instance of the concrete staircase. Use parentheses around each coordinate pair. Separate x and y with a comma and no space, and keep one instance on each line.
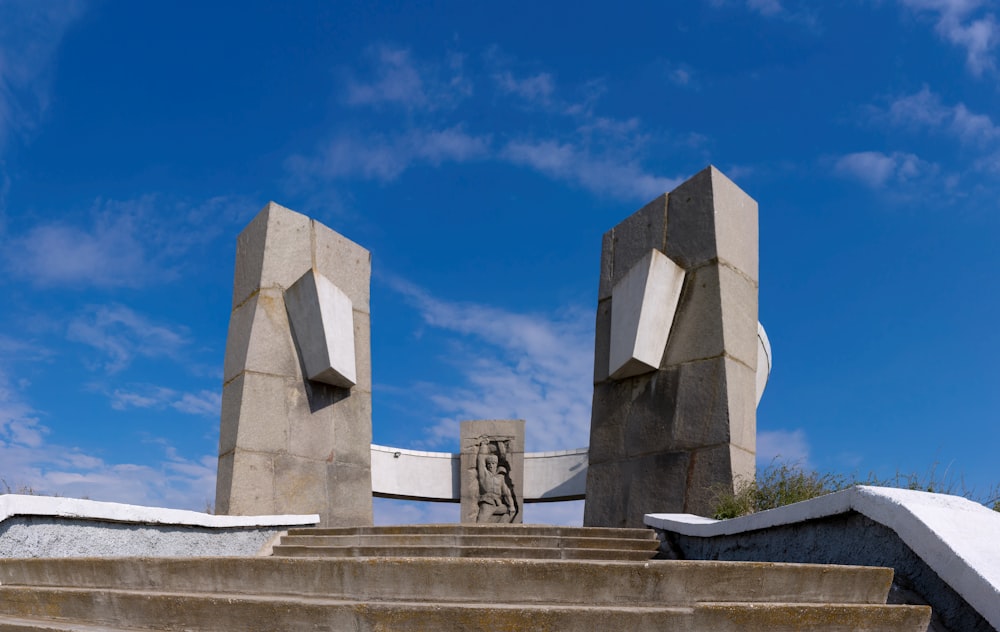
(446,578)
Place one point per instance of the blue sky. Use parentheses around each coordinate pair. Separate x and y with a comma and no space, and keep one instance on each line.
(480,152)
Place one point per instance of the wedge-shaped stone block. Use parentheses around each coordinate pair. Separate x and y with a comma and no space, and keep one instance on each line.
(643,303)
(322,322)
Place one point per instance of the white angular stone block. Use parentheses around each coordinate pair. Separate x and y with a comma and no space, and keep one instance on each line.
(643,303)
(322,319)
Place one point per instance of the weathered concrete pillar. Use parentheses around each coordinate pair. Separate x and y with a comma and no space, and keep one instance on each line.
(492,471)
(296,402)
(674,418)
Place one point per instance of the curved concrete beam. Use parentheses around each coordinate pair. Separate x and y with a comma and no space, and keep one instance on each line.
(763,360)
(435,476)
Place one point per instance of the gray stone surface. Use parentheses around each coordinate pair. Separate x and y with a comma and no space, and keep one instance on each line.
(38,536)
(284,436)
(492,471)
(845,539)
(667,440)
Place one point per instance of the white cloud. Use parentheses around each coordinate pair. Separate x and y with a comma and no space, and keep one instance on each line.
(964,24)
(925,109)
(120,334)
(516,366)
(878,170)
(785,446)
(599,174)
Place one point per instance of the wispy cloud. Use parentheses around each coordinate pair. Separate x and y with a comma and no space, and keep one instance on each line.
(150,396)
(30,35)
(968,24)
(121,334)
(783,10)
(397,79)
(877,169)
(598,153)
(536,367)
(106,254)
(537,88)
(122,243)
(925,109)
(786,446)
(574,164)
(385,157)
(29,458)
(766,7)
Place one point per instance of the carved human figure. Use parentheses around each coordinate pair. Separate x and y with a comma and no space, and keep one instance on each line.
(496,502)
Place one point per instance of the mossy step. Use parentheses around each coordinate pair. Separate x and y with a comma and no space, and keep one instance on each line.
(494,552)
(652,582)
(410,539)
(480,529)
(116,609)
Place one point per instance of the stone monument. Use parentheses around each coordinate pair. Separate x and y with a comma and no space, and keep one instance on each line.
(675,361)
(492,471)
(296,430)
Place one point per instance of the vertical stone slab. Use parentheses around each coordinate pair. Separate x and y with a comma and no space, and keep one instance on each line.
(665,440)
(289,444)
(492,471)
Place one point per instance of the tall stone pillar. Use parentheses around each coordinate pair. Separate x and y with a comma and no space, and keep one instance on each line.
(296,402)
(674,417)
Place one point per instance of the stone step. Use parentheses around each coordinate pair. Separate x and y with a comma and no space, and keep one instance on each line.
(494,552)
(123,609)
(647,583)
(508,541)
(20,624)
(479,529)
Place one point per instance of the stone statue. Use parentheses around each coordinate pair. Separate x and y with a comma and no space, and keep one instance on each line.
(497,503)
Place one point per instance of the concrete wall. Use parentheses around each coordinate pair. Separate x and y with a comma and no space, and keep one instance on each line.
(42,526)
(944,549)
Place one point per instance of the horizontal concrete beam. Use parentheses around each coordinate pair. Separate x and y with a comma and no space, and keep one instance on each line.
(434,476)
(955,537)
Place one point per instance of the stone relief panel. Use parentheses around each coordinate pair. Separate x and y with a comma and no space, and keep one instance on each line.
(492,470)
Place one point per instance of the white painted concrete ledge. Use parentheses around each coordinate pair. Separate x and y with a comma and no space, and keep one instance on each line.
(959,539)
(19,505)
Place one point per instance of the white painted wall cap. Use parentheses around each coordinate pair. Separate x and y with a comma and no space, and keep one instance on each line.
(20,505)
